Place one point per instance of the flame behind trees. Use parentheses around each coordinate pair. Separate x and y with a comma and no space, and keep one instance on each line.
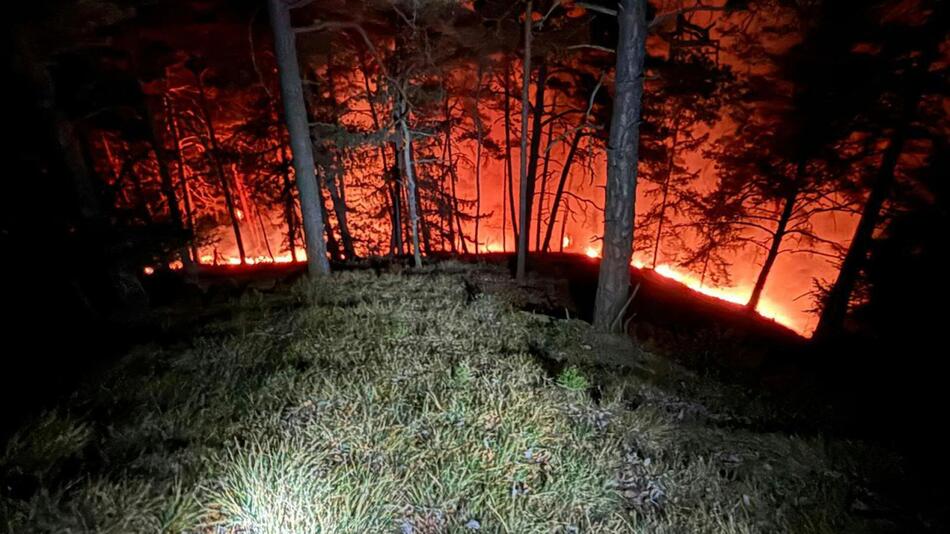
(414,107)
(688,88)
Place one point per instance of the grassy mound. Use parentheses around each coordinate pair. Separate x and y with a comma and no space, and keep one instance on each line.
(409,403)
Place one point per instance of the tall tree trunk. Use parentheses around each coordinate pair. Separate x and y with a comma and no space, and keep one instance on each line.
(333,246)
(245,206)
(508,167)
(670,166)
(453,174)
(613,283)
(410,178)
(290,206)
(544,177)
(336,189)
(390,172)
(836,304)
(156,139)
(219,170)
(295,113)
(504,214)
(560,244)
(463,243)
(260,224)
(478,157)
(339,209)
(561,184)
(534,153)
(525,210)
(839,297)
(400,232)
(446,212)
(183,182)
(396,192)
(787,210)
(424,233)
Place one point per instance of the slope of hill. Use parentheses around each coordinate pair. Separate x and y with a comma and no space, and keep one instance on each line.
(425,402)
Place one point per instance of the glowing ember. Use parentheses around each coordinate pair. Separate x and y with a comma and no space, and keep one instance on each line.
(149,270)
(592,252)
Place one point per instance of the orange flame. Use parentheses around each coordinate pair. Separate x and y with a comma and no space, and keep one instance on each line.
(735,295)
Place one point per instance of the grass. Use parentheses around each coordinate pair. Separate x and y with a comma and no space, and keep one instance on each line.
(572,379)
(405,403)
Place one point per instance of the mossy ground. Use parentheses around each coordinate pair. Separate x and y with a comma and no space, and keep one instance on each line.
(410,403)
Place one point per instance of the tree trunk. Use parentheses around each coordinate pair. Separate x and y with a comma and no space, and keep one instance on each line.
(333,246)
(290,206)
(775,247)
(478,158)
(423,223)
(337,190)
(613,283)
(544,177)
(836,305)
(166,182)
(508,167)
(670,164)
(839,297)
(410,178)
(560,244)
(260,224)
(295,113)
(534,153)
(446,211)
(219,171)
(456,217)
(390,172)
(525,209)
(339,209)
(396,192)
(183,181)
(561,184)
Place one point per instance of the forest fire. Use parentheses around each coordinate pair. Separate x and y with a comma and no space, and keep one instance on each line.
(420,266)
(449,144)
(735,295)
(216,162)
(765,308)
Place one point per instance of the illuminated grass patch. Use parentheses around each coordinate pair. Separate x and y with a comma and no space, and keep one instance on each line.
(399,403)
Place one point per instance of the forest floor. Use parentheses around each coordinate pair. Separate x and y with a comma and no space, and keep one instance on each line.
(426,401)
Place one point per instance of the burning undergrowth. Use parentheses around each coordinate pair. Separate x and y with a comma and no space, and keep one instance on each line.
(415,404)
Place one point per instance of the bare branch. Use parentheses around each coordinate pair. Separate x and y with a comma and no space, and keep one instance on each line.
(596,8)
(593,46)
